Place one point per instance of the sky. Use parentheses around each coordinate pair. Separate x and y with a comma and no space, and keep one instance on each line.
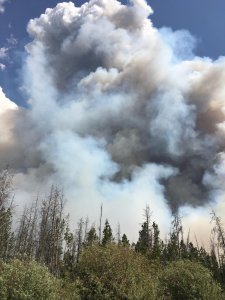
(120,104)
(203,18)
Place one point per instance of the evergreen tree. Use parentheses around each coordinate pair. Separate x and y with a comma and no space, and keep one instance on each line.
(92,237)
(107,234)
(157,244)
(183,250)
(172,250)
(142,244)
(69,256)
(125,242)
(193,252)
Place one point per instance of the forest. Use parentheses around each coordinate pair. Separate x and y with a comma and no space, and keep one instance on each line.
(41,257)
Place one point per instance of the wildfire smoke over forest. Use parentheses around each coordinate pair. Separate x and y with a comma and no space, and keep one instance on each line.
(120,113)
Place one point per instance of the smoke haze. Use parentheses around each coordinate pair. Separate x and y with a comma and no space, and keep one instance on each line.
(120,113)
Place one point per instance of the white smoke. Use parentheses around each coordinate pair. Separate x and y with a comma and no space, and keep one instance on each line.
(120,113)
(7,111)
(2,5)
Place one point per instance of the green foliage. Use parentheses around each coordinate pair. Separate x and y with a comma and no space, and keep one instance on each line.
(22,280)
(125,242)
(157,244)
(188,280)
(86,266)
(92,237)
(114,272)
(143,244)
(67,291)
(107,234)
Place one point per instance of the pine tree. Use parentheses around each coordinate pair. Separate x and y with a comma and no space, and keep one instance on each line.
(157,244)
(92,237)
(107,234)
(69,255)
(144,243)
(125,242)
(173,246)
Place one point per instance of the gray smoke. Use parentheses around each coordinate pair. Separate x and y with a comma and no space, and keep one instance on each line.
(119,111)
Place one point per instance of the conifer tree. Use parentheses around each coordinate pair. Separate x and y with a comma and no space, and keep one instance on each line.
(142,244)
(157,244)
(173,246)
(107,234)
(124,241)
(69,255)
(92,237)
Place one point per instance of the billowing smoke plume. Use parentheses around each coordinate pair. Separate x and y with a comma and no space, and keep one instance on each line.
(119,112)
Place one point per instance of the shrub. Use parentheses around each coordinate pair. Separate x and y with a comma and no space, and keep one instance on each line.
(188,280)
(29,280)
(114,272)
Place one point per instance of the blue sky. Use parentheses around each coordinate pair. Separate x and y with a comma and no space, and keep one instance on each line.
(203,18)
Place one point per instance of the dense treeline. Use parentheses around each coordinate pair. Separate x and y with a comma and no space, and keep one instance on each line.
(42,258)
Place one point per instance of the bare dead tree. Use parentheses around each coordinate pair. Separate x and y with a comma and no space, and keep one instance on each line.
(147,218)
(6,204)
(100,225)
(26,237)
(218,236)
(51,230)
(118,234)
(79,238)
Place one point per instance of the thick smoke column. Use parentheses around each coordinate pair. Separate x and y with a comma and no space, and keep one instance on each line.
(119,111)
